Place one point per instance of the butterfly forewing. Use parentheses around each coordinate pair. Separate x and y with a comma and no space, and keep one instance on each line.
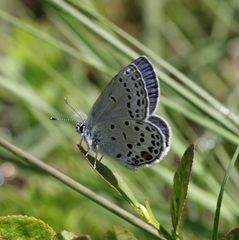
(149,77)
(132,93)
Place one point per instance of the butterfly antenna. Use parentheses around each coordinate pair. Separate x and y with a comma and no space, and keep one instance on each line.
(63,119)
(72,108)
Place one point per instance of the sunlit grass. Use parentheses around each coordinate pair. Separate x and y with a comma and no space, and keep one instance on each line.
(74,53)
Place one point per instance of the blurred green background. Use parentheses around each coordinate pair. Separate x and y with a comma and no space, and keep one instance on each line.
(55,49)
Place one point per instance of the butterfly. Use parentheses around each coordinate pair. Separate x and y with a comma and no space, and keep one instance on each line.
(122,123)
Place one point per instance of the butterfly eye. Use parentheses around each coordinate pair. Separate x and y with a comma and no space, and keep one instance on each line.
(80,128)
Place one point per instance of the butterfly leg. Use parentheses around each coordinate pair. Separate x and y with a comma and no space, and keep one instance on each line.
(88,151)
(101,158)
(96,156)
(81,140)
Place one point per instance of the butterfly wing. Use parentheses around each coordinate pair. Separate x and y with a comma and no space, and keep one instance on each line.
(121,123)
(132,93)
(164,127)
(149,77)
(134,143)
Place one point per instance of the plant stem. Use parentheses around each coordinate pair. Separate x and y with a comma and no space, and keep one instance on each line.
(84,190)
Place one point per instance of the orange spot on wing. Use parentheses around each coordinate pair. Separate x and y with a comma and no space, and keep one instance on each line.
(146,155)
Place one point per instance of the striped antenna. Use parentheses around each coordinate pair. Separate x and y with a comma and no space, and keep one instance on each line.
(63,119)
(73,109)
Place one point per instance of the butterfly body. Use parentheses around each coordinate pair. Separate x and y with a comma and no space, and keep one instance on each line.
(122,124)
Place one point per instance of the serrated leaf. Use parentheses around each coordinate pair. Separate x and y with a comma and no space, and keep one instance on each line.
(180,187)
(25,228)
(120,233)
(232,235)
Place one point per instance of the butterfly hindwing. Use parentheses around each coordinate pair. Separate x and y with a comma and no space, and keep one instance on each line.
(134,143)
(163,126)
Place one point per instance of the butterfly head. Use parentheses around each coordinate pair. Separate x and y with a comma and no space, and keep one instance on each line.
(80,127)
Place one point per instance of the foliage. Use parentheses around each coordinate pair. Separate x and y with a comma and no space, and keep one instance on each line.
(55,48)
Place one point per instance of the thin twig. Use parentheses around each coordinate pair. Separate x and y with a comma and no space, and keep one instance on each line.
(80,188)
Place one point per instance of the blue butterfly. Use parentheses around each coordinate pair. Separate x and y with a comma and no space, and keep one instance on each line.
(122,123)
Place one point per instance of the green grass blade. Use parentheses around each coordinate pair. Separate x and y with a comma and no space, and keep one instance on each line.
(49,39)
(216,111)
(220,196)
(165,65)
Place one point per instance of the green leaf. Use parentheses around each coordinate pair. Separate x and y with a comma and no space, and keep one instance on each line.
(232,235)
(120,233)
(151,218)
(116,181)
(180,187)
(65,235)
(24,228)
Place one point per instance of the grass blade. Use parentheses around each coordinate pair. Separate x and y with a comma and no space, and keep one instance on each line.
(220,196)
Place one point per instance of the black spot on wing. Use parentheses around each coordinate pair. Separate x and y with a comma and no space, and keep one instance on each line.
(113,99)
(124,135)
